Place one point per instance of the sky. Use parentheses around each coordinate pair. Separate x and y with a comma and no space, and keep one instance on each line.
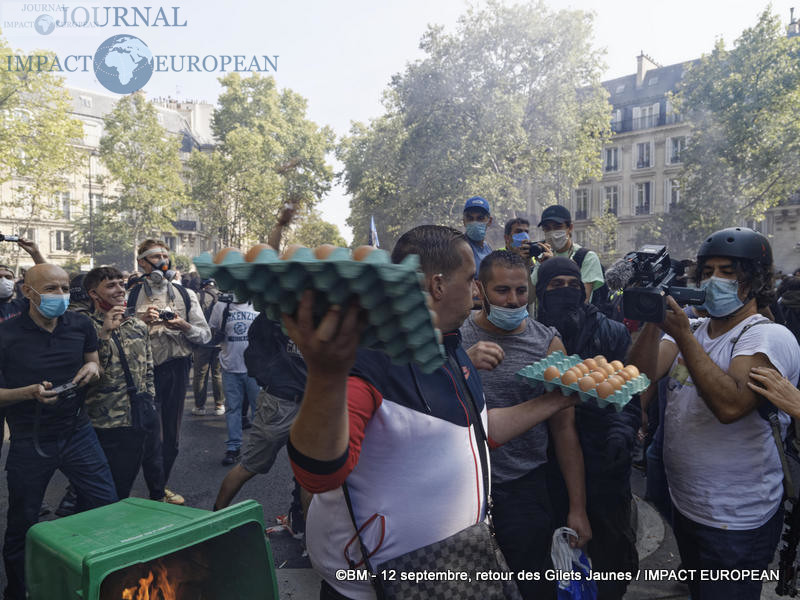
(341,55)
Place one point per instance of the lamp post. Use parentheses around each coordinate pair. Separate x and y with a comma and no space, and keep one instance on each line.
(92,154)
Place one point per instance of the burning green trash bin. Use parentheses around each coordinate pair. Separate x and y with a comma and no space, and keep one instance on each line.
(140,548)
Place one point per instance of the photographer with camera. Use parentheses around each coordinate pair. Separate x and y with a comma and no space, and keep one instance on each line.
(47,356)
(176,322)
(11,306)
(556,223)
(120,405)
(606,436)
(721,461)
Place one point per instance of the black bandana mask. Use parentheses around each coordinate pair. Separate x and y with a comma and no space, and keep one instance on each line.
(561,308)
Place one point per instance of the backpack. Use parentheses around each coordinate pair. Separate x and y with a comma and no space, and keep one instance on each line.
(218,335)
(133,296)
(600,295)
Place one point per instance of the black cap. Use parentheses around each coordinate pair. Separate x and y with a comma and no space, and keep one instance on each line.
(737,242)
(78,293)
(557,214)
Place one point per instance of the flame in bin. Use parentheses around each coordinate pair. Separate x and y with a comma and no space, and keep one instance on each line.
(156,586)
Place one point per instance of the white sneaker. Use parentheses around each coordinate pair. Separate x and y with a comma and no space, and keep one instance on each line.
(219,410)
(198,412)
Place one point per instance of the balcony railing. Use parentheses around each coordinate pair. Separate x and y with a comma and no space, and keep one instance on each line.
(184,225)
(611,167)
(675,158)
(643,209)
(580,215)
(645,122)
(643,164)
(674,118)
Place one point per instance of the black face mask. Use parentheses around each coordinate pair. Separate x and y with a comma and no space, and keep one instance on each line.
(561,308)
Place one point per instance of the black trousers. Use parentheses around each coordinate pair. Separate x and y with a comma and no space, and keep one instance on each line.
(124,449)
(161,446)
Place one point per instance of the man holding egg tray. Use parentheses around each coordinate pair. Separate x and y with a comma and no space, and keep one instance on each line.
(721,461)
(503,339)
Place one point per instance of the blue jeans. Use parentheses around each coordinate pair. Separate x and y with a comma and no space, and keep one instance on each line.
(80,457)
(237,386)
(703,547)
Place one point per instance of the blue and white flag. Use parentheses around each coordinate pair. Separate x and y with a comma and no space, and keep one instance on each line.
(373,233)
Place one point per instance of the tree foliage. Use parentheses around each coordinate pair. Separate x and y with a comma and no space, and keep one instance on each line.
(269,154)
(312,230)
(743,155)
(509,107)
(143,161)
(38,139)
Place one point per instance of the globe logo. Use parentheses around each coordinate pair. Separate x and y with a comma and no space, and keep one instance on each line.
(44,24)
(123,64)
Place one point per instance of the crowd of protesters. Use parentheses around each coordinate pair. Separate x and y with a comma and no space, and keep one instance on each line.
(390,459)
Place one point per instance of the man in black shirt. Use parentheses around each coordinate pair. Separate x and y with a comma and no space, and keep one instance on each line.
(42,349)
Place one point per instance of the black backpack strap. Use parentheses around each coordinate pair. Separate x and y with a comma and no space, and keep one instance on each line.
(187,302)
(133,295)
(579,255)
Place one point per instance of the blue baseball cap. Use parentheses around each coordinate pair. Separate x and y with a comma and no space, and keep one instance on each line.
(477,202)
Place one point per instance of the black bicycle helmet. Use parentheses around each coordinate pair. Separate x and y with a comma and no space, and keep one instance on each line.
(737,242)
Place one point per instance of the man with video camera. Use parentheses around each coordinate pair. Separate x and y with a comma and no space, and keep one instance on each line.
(176,322)
(722,463)
(47,356)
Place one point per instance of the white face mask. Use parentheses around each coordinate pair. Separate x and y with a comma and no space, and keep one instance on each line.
(6,288)
(557,239)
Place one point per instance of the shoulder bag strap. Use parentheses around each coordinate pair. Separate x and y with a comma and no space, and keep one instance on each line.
(124,362)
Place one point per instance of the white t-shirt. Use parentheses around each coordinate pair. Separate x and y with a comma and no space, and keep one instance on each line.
(726,476)
(231,357)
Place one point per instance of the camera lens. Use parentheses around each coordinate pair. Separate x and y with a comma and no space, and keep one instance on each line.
(536,249)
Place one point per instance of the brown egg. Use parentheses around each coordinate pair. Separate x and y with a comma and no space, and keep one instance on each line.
(324,251)
(590,363)
(633,371)
(362,252)
(290,250)
(551,373)
(586,383)
(220,256)
(609,370)
(598,376)
(623,374)
(582,368)
(605,389)
(569,378)
(253,253)
(616,364)
(601,360)
(617,382)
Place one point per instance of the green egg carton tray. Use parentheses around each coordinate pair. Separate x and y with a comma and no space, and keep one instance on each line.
(399,321)
(534,374)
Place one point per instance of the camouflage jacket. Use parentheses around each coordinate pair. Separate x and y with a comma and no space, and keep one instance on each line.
(108,403)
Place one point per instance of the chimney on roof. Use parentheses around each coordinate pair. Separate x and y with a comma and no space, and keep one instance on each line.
(794,26)
(644,64)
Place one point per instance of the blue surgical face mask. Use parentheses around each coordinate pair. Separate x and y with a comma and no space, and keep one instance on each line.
(518,238)
(507,319)
(722,297)
(476,231)
(52,306)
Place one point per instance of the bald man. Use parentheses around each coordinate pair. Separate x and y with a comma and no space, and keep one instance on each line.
(47,356)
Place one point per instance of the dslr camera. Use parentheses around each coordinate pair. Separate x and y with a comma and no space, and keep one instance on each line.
(644,297)
(166,315)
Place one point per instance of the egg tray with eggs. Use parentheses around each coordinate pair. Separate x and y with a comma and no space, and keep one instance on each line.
(399,320)
(601,381)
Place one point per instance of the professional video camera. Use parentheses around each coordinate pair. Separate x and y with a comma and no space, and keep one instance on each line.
(647,276)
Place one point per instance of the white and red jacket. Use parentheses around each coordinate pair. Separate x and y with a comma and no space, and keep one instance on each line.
(412,468)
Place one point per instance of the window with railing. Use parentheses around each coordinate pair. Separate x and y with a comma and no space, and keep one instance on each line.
(675,147)
(645,117)
(612,199)
(642,198)
(611,160)
(63,203)
(581,204)
(642,156)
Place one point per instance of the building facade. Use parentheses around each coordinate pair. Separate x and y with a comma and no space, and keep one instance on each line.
(84,192)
